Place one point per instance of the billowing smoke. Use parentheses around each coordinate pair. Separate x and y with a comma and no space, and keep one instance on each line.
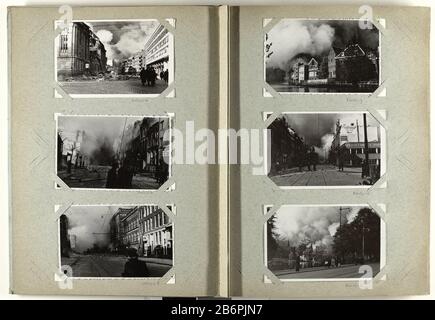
(99,135)
(90,226)
(316,225)
(326,142)
(123,39)
(290,38)
(318,129)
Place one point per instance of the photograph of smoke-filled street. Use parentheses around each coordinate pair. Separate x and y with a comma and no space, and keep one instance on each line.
(113,152)
(321,242)
(312,56)
(112,241)
(114,57)
(325,149)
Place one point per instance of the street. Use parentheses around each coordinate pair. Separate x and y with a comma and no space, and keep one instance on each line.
(348,271)
(325,175)
(95,177)
(131,86)
(109,265)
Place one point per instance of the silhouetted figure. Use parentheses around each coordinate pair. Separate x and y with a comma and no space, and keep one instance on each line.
(313,158)
(125,177)
(297,263)
(134,267)
(143,76)
(166,75)
(340,160)
(112,176)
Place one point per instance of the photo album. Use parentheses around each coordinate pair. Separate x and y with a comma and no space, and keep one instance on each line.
(219,151)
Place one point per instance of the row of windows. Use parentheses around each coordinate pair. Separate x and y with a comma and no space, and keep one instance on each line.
(131,238)
(157,221)
(361,150)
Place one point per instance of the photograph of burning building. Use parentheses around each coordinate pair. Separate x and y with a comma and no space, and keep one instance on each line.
(114,241)
(132,57)
(322,56)
(113,152)
(323,242)
(326,149)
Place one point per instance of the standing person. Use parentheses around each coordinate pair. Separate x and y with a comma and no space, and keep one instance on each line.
(297,263)
(307,159)
(143,76)
(340,160)
(125,177)
(112,176)
(153,76)
(166,75)
(135,268)
(314,158)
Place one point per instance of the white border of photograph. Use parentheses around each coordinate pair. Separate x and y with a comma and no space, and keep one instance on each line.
(383,141)
(383,250)
(59,260)
(266,22)
(171,61)
(170,116)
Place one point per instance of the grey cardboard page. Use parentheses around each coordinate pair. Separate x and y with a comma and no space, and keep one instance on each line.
(400,197)
(36,98)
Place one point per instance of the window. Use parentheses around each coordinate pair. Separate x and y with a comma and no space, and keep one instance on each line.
(64,42)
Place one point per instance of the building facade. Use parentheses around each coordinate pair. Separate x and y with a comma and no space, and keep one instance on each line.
(157,50)
(348,66)
(79,52)
(349,144)
(98,59)
(70,153)
(145,228)
(156,230)
(73,56)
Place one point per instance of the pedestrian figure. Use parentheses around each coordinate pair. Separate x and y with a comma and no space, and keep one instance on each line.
(313,158)
(125,177)
(151,75)
(143,76)
(135,268)
(166,75)
(340,160)
(307,159)
(112,176)
(297,263)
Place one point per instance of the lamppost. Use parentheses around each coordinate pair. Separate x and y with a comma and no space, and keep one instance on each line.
(341,209)
(366,149)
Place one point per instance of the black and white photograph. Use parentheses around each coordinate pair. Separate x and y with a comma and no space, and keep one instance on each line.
(114,152)
(326,150)
(322,56)
(324,242)
(116,241)
(113,58)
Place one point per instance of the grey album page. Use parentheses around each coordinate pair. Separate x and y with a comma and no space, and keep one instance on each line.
(102,203)
(332,201)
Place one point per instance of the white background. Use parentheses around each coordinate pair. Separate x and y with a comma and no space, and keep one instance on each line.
(4,112)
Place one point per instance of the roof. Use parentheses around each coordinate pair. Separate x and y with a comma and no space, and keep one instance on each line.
(337,50)
(351,51)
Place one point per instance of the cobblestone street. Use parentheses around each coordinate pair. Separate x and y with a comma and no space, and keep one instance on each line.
(131,86)
(95,177)
(325,175)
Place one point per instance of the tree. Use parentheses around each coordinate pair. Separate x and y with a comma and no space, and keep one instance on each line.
(360,239)
(272,244)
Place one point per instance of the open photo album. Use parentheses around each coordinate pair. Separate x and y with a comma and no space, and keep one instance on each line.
(218,151)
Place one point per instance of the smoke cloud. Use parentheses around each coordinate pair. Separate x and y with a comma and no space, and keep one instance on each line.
(318,129)
(291,37)
(100,134)
(123,39)
(295,225)
(90,225)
